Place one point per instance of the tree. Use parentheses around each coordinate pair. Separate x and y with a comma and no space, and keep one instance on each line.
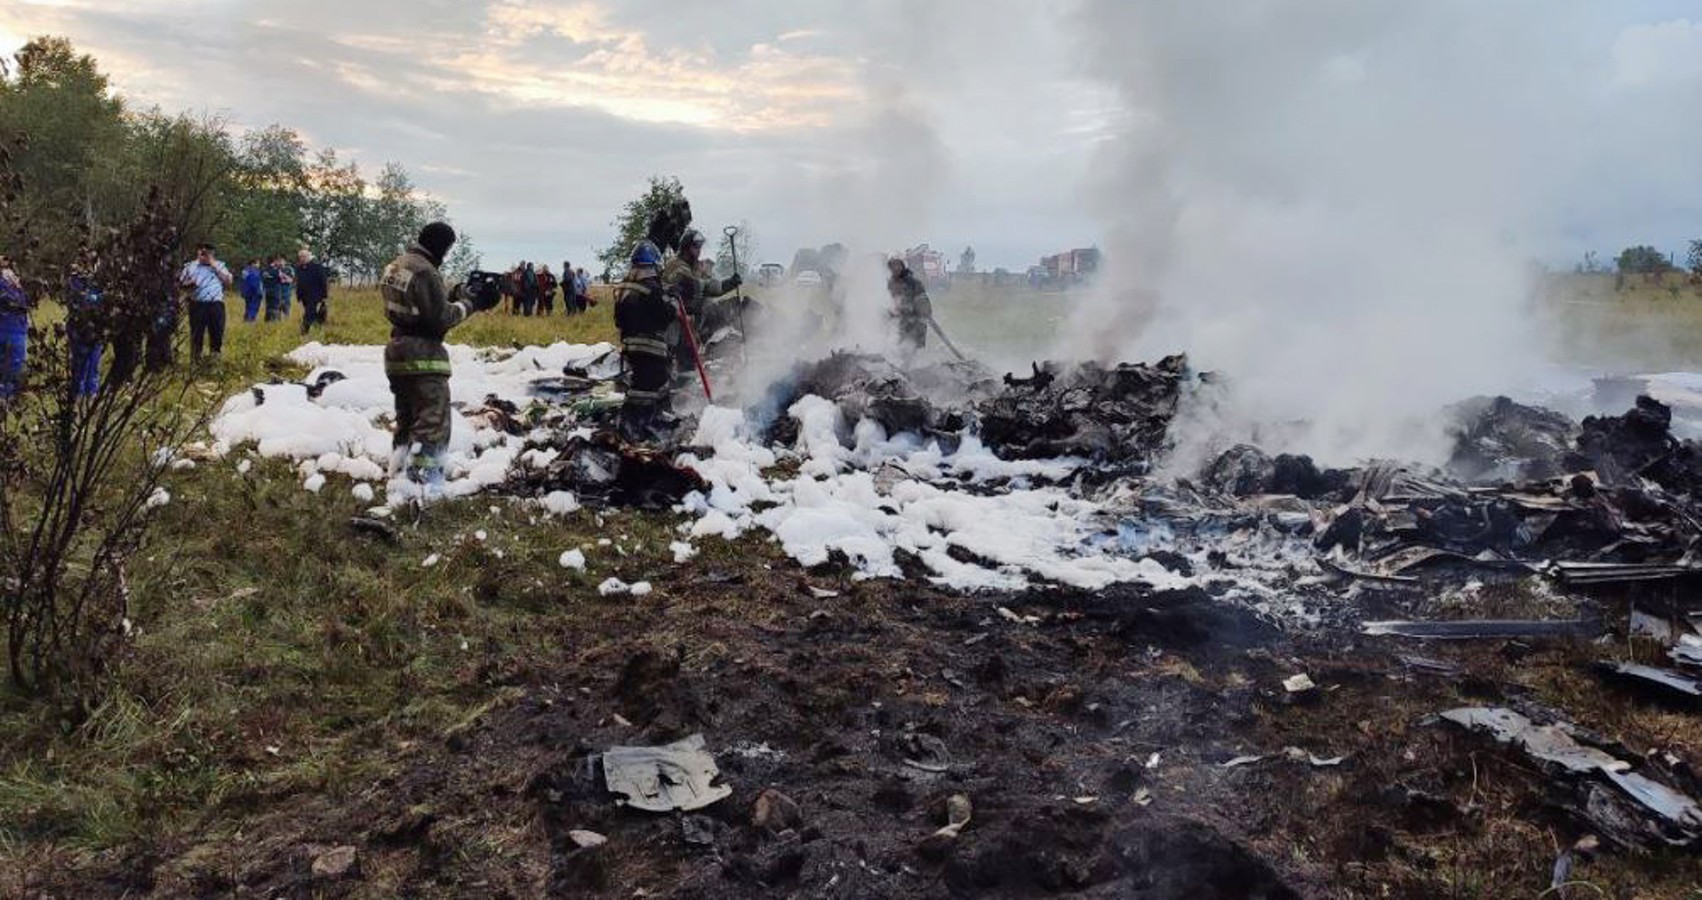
(634,219)
(1642,260)
(190,162)
(1694,260)
(62,101)
(966,262)
(79,473)
(463,259)
(397,217)
(266,212)
(333,212)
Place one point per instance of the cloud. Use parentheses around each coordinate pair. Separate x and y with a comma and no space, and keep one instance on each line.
(953,122)
(1658,55)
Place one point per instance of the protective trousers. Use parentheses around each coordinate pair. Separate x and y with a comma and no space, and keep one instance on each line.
(422,422)
(647,394)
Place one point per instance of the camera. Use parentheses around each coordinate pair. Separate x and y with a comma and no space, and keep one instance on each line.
(484,289)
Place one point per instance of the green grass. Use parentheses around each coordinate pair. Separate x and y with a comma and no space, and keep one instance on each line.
(276,648)
(255,350)
(1638,326)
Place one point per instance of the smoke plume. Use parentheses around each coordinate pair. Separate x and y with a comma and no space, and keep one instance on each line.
(1325,201)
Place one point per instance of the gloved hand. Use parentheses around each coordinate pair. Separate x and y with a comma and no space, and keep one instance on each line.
(732,283)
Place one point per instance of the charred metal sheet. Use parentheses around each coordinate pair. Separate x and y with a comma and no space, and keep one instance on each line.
(1602,790)
(1487,629)
(1367,576)
(1582,573)
(1665,683)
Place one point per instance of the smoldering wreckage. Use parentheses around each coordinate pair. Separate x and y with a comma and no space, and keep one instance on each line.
(1371,581)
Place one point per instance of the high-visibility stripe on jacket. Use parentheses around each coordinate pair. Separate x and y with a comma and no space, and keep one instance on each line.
(421,312)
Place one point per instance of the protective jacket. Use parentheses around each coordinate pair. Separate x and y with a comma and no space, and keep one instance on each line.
(421,312)
(644,313)
(910,298)
(912,307)
(693,289)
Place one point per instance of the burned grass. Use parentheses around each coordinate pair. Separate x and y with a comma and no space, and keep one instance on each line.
(445,722)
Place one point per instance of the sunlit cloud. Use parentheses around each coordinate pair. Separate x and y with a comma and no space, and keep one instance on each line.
(620,71)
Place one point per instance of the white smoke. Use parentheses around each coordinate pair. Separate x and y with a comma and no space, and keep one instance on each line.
(1325,200)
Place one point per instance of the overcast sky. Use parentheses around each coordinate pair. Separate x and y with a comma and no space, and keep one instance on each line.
(880,123)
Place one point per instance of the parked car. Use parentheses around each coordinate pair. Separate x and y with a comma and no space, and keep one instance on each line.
(807,278)
(770,273)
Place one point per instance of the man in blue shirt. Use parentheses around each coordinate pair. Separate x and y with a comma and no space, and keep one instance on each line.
(206,279)
(14,329)
(85,332)
(253,291)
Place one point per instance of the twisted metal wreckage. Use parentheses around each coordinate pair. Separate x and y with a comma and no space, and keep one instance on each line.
(1589,514)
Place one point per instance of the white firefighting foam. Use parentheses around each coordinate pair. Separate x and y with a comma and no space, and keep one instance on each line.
(854,490)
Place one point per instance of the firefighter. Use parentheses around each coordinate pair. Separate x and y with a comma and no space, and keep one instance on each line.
(421,310)
(694,287)
(644,313)
(911,307)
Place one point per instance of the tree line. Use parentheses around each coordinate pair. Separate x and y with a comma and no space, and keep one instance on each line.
(1643,259)
(89,158)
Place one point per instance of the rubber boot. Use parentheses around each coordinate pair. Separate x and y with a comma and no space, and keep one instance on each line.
(425,468)
(635,423)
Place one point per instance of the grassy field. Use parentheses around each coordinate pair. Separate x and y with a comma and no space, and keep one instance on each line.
(1637,326)
(271,650)
(280,654)
(357,317)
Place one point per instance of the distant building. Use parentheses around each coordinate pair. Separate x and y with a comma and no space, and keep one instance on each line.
(1070,267)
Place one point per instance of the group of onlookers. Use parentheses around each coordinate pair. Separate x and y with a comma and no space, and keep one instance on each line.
(268,289)
(274,285)
(202,282)
(531,290)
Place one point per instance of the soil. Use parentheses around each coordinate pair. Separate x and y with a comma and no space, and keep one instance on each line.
(1089,735)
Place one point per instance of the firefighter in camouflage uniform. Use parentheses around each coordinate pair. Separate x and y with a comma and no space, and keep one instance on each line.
(421,310)
(910,307)
(645,314)
(694,290)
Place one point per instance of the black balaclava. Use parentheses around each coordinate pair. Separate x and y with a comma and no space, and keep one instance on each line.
(435,240)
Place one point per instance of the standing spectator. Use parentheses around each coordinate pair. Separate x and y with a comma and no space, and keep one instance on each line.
(512,285)
(313,285)
(207,279)
(546,291)
(286,285)
(273,288)
(14,329)
(83,325)
(528,289)
(160,339)
(253,291)
(582,290)
(150,328)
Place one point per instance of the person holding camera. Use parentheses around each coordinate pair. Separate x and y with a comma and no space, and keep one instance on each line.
(205,278)
(421,310)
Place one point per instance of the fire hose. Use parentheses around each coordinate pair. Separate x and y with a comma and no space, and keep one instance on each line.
(946,340)
(691,343)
